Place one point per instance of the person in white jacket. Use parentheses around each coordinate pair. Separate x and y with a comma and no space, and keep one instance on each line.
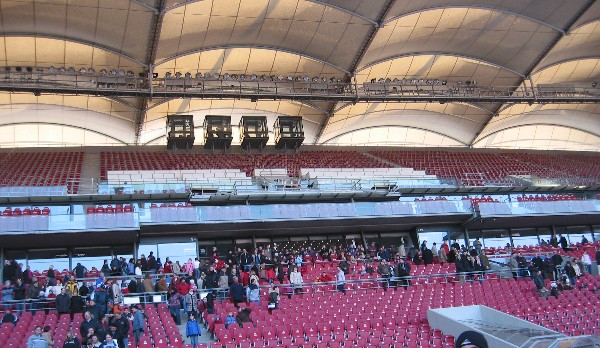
(296,280)
(587,261)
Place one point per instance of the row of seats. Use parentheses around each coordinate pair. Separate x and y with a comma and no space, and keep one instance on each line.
(477,168)
(41,169)
(538,198)
(399,317)
(162,331)
(107,216)
(182,212)
(163,160)
(26,219)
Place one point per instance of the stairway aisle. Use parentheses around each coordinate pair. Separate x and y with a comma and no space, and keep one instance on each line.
(90,173)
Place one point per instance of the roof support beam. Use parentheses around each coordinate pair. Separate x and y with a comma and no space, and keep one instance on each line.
(477,6)
(78,41)
(359,56)
(541,58)
(153,39)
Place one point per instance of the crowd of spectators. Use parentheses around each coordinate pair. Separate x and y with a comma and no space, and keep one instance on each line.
(239,274)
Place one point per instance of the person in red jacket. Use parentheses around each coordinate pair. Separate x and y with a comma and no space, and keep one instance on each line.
(183,288)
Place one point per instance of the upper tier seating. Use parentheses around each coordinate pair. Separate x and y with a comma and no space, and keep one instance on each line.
(109,216)
(41,169)
(477,169)
(162,160)
(26,219)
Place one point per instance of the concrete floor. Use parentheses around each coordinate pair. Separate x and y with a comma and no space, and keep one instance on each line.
(205,338)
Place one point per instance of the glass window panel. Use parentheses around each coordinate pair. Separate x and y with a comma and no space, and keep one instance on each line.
(91,257)
(177,252)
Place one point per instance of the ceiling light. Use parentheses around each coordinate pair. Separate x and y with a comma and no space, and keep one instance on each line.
(113,72)
(444,83)
(594,84)
(216,75)
(253,77)
(82,71)
(242,76)
(103,72)
(50,69)
(60,70)
(122,72)
(198,75)
(178,74)
(226,76)
(188,75)
(421,81)
(290,78)
(91,71)
(315,79)
(234,77)
(168,74)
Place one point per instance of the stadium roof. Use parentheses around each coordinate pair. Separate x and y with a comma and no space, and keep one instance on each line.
(493,42)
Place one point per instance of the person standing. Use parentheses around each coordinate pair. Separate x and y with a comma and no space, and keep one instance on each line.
(7,295)
(138,324)
(192,330)
(340,280)
(122,325)
(587,262)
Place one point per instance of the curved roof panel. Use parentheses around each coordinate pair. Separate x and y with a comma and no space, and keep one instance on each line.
(582,43)
(497,43)
(119,24)
(554,13)
(304,27)
(502,39)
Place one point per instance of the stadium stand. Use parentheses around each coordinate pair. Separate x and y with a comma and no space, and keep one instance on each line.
(39,170)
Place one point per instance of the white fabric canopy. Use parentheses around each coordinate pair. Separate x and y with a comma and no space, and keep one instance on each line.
(494,42)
